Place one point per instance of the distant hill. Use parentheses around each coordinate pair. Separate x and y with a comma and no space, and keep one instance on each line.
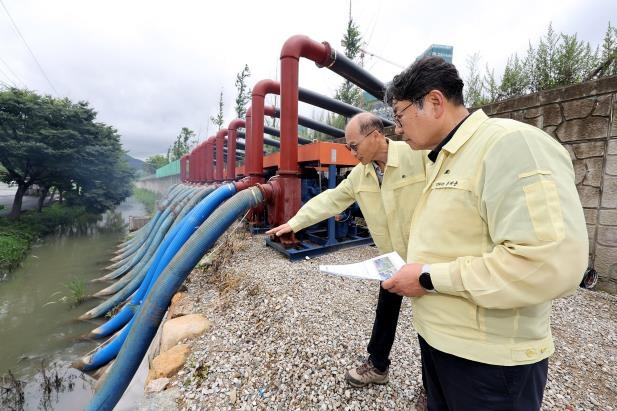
(135,163)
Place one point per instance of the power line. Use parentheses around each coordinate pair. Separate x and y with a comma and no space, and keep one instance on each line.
(28,47)
(378,57)
(12,83)
(12,73)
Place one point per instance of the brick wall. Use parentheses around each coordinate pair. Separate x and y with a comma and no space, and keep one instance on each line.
(583,118)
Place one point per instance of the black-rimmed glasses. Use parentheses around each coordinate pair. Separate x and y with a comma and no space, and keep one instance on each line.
(399,115)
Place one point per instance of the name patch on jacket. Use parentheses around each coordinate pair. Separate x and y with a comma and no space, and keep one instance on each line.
(446,184)
(452,182)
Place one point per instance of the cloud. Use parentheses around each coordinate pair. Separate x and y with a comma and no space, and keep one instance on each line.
(150,68)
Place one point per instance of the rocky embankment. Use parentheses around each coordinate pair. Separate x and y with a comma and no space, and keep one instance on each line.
(282,336)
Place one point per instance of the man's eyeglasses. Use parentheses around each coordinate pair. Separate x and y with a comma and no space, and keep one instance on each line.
(354,146)
(399,115)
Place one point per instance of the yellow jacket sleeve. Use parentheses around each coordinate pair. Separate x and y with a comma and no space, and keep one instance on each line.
(535,221)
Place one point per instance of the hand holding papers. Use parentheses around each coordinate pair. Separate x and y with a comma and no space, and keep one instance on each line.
(379,268)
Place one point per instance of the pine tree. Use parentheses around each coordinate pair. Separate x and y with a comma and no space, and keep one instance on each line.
(218,119)
(183,144)
(515,80)
(244,92)
(545,76)
(609,50)
(352,42)
(348,92)
(474,87)
(607,64)
(490,85)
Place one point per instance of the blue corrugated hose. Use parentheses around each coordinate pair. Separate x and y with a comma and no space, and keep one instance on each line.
(150,315)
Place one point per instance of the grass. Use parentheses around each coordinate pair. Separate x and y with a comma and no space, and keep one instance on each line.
(16,236)
(146,197)
(214,265)
(77,291)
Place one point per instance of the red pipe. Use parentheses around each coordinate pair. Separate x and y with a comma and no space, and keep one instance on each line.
(209,159)
(247,137)
(194,163)
(199,163)
(203,162)
(220,143)
(191,159)
(294,48)
(232,134)
(255,140)
(183,168)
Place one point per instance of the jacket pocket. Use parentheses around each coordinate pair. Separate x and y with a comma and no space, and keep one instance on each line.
(544,210)
(404,182)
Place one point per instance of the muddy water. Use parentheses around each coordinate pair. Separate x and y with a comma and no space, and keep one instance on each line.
(38,325)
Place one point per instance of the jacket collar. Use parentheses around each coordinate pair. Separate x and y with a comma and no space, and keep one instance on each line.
(393,159)
(465,131)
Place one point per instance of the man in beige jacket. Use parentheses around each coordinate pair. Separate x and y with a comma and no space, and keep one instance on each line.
(497,234)
(389,178)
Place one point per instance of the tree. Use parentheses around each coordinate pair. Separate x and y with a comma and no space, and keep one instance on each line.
(55,142)
(558,60)
(218,120)
(606,65)
(348,92)
(35,137)
(609,51)
(105,181)
(490,85)
(474,86)
(545,68)
(183,144)
(515,81)
(244,92)
(156,161)
(352,42)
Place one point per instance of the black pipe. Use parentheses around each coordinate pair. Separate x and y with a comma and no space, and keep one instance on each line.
(272,131)
(336,106)
(315,125)
(348,69)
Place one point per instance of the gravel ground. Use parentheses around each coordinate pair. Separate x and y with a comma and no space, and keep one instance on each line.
(283,336)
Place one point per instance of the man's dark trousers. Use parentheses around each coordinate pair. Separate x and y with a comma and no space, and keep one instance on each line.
(384,328)
(453,383)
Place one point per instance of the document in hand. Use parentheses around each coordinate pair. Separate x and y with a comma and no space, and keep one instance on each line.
(378,268)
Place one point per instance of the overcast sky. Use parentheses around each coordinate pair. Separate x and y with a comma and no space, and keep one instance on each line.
(150,68)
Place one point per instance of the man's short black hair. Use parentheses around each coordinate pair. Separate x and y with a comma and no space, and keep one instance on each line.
(426,74)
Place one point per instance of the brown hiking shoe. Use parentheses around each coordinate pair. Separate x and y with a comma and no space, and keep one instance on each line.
(366,374)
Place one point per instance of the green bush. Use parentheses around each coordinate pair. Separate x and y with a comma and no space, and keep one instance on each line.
(12,250)
(17,235)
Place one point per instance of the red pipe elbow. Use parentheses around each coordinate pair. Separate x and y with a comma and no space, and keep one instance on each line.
(209,159)
(220,143)
(232,135)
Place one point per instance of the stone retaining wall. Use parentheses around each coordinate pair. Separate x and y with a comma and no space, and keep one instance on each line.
(583,118)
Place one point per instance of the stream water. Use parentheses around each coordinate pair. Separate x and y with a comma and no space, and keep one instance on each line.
(39,330)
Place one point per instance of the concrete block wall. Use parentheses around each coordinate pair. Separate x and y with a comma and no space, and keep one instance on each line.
(158,185)
(583,118)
